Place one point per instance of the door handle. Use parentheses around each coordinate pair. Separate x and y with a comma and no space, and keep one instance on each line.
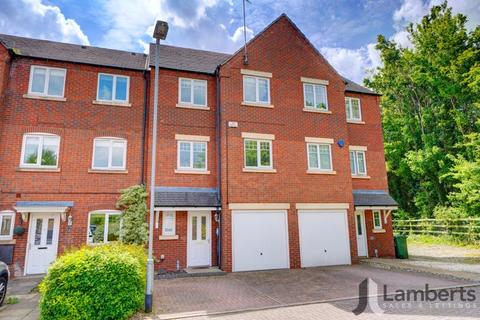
(42,248)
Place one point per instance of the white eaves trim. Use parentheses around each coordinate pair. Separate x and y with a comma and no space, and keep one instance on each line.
(261,136)
(186,209)
(376,208)
(314,81)
(357,148)
(259,206)
(187,137)
(41,209)
(318,140)
(321,206)
(256,73)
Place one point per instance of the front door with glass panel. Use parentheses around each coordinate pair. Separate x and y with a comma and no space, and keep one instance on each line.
(199,248)
(42,242)
(361,236)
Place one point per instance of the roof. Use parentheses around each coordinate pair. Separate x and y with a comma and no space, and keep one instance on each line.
(44,204)
(45,49)
(373,198)
(355,87)
(185,197)
(185,59)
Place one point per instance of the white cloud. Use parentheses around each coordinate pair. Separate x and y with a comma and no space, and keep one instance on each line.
(32,18)
(238,34)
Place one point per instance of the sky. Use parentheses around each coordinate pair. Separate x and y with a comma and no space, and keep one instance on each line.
(344,31)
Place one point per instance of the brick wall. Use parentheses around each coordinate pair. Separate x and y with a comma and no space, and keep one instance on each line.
(382,242)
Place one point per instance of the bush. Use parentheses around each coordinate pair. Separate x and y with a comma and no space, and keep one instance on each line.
(102,282)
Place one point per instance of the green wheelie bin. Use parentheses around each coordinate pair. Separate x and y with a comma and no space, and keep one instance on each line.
(401,250)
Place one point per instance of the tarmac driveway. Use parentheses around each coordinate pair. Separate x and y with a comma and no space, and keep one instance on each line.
(256,290)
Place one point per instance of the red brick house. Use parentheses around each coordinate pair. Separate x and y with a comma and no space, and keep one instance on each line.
(274,163)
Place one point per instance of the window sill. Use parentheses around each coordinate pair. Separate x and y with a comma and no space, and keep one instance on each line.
(260,105)
(31,96)
(5,241)
(191,171)
(26,169)
(360,177)
(191,106)
(175,237)
(355,121)
(259,170)
(107,171)
(317,111)
(112,103)
(378,231)
(321,172)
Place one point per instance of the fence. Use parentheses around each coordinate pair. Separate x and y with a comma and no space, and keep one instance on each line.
(462,229)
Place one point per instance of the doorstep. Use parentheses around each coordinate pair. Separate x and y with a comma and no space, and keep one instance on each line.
(191,272)
(414,265)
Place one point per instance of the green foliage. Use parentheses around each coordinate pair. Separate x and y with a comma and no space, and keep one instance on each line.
(101,282)
(430,106)
(133,203)
(12,300)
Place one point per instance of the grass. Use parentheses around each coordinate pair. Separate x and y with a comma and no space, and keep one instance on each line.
(12,300)
(440,240)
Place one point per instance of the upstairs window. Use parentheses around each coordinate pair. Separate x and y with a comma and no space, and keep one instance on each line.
(319,157)
(256,90)
(315,96)
(192,155)
(193,92)
(258,154)
(358,165)
(40,150)
(109,154)
(45,81)
(7,219)
(104,227)
(113,88)
(353,109)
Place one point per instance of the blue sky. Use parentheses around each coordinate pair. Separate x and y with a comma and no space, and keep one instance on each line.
(343,30)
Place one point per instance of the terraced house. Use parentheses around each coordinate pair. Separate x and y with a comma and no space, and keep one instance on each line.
(275,162)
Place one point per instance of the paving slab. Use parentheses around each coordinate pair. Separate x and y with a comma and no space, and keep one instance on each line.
(24,288)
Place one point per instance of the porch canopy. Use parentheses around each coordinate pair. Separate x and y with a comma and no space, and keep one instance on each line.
(373,199)
(26,207)
(186,198)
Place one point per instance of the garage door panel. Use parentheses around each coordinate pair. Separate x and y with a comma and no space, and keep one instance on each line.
(260,240)
(324,238)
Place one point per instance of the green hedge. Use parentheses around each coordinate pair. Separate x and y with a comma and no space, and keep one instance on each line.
(101,282)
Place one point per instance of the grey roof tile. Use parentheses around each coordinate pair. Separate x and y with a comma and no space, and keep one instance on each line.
(45,49)
(355,87)
(185,197)
(373,198)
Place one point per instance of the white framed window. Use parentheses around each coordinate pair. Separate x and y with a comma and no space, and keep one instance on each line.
(40,150)
(192,92)
(358,165)
(256,89)
(353,109)
(258,154)
(109,154)
(315,96)
(168,223)
(377,219)
(47,81)
(319,156)
(192,155)
(104,226)
(113,88)
(7,220)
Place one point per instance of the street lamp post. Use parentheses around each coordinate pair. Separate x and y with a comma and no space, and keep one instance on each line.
(160,33)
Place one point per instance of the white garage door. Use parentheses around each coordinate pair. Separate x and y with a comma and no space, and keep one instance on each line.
(324,238)
(260,240)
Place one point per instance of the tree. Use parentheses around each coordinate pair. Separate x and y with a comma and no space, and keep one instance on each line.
(133,203)
(430,105)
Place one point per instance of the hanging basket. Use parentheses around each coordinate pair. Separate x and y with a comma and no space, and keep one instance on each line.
(19,230)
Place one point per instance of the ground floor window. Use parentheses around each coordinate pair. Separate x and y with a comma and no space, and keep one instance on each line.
(7,219)
(377,220)
(104,226)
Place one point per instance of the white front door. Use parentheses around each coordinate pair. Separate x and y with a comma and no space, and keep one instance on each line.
(324,239)
(199,247)
(260,240)
(361,235)
(42,242)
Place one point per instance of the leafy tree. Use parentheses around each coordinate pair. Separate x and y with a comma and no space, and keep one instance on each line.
(133,202)
(430,105)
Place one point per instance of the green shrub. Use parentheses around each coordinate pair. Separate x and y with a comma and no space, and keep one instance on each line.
(101,282)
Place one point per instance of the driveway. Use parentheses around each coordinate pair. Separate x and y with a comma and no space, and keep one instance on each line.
(258,290)
(24,289)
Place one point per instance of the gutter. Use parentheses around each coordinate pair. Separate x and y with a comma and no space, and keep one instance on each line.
(219,167)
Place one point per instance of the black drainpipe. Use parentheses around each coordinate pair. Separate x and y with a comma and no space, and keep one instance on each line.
(219,169)
(144,131)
